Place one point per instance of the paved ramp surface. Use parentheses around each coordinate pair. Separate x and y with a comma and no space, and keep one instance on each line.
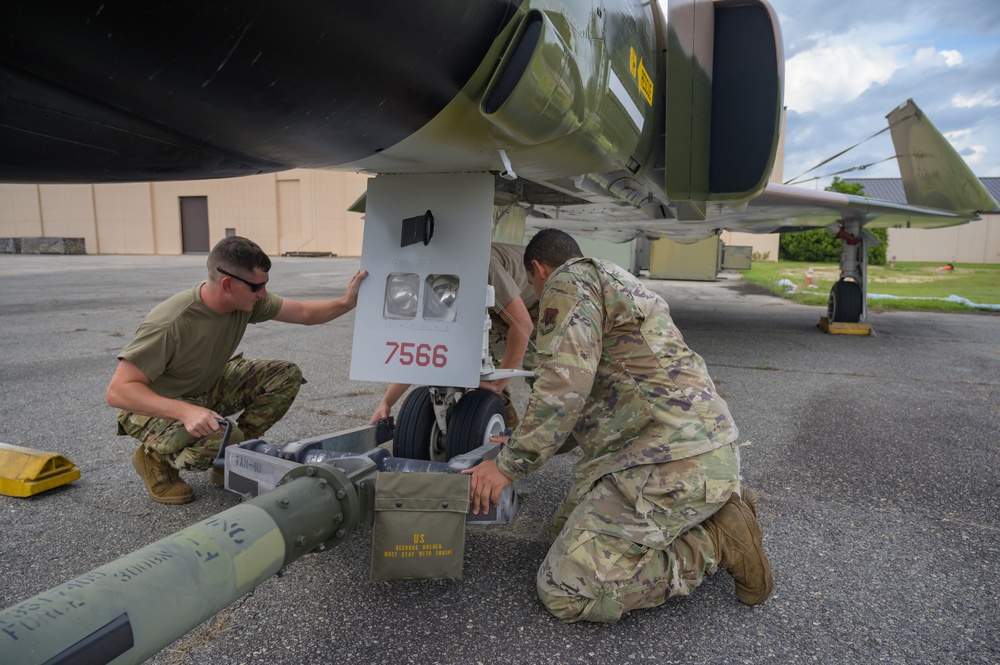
(875,460)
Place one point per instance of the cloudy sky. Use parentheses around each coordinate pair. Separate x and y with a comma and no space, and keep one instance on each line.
(849,62)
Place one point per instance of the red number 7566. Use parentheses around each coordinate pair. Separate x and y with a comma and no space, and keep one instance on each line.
(421,354)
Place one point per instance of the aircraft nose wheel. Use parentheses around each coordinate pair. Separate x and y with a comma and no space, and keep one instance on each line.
(479,415)
(415,426)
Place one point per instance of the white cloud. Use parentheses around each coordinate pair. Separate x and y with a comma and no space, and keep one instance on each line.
(836,71)
(952,58)
(985,98)
(962,140)
(931,57)
(848,63)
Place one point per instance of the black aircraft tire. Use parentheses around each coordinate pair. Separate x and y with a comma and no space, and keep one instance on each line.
(845,302)
(414,425)
(479,415)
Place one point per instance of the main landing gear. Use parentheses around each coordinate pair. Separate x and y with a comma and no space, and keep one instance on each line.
(847,306)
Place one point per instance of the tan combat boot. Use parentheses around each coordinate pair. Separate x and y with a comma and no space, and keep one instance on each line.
(750,499)
(739,548)
(163,482)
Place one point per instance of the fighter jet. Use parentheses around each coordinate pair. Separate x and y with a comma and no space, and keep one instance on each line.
(616,119)
(611,118)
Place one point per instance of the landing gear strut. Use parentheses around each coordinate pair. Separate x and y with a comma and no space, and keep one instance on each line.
(848,302)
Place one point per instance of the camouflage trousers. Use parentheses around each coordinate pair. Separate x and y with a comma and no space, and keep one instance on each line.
(634,539)
(262,390)
(498,344)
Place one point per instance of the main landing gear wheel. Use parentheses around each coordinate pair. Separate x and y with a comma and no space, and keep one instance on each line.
(479,415)
(415,426)
(845,303)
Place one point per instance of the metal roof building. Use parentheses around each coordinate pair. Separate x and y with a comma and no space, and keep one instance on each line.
(891,189)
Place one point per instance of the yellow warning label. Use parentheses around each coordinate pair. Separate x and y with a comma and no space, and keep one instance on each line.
(418,549)
(645,84)
(632,61)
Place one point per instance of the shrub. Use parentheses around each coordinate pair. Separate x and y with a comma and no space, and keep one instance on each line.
(821,246)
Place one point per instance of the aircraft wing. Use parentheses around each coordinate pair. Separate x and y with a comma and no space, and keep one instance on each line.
(779,209)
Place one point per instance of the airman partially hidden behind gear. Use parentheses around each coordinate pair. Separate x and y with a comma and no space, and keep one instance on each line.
(655,503)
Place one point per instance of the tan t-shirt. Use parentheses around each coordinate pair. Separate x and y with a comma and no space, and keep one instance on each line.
(182,346)
(507,275)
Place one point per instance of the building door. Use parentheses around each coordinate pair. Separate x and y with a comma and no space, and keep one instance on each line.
(290,217)
(194,224)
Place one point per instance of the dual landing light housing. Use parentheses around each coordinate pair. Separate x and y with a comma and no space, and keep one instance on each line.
(402,289)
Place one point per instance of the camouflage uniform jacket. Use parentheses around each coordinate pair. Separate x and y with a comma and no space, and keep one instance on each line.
(614,369)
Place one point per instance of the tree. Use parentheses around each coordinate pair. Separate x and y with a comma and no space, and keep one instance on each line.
(839,185)
(821,246)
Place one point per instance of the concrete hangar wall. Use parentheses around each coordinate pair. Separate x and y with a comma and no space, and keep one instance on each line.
(289,212)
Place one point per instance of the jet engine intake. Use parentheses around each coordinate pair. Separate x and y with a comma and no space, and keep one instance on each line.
(534,95)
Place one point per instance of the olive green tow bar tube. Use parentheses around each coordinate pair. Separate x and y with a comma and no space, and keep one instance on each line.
(127,610)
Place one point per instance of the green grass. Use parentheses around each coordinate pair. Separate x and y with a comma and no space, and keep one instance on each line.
(978,282)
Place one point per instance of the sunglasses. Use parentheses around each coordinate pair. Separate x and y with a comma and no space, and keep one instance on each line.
(253,287)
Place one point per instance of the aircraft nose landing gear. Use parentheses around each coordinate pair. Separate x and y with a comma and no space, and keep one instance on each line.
(479,415)
(417,431)
(437,423)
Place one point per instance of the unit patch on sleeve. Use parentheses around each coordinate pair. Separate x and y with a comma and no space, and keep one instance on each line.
(548,321)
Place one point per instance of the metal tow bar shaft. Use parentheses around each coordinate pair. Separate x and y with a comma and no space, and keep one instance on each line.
(127,610)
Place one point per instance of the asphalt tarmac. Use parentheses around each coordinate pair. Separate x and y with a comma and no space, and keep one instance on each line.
(875,461)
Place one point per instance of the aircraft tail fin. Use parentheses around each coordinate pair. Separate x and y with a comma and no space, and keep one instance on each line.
(934,174)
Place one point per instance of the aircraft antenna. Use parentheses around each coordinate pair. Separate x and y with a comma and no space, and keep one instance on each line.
(795,180)
(860,167)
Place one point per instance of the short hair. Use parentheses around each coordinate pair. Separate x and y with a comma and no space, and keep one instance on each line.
(237,255)
(551,247)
